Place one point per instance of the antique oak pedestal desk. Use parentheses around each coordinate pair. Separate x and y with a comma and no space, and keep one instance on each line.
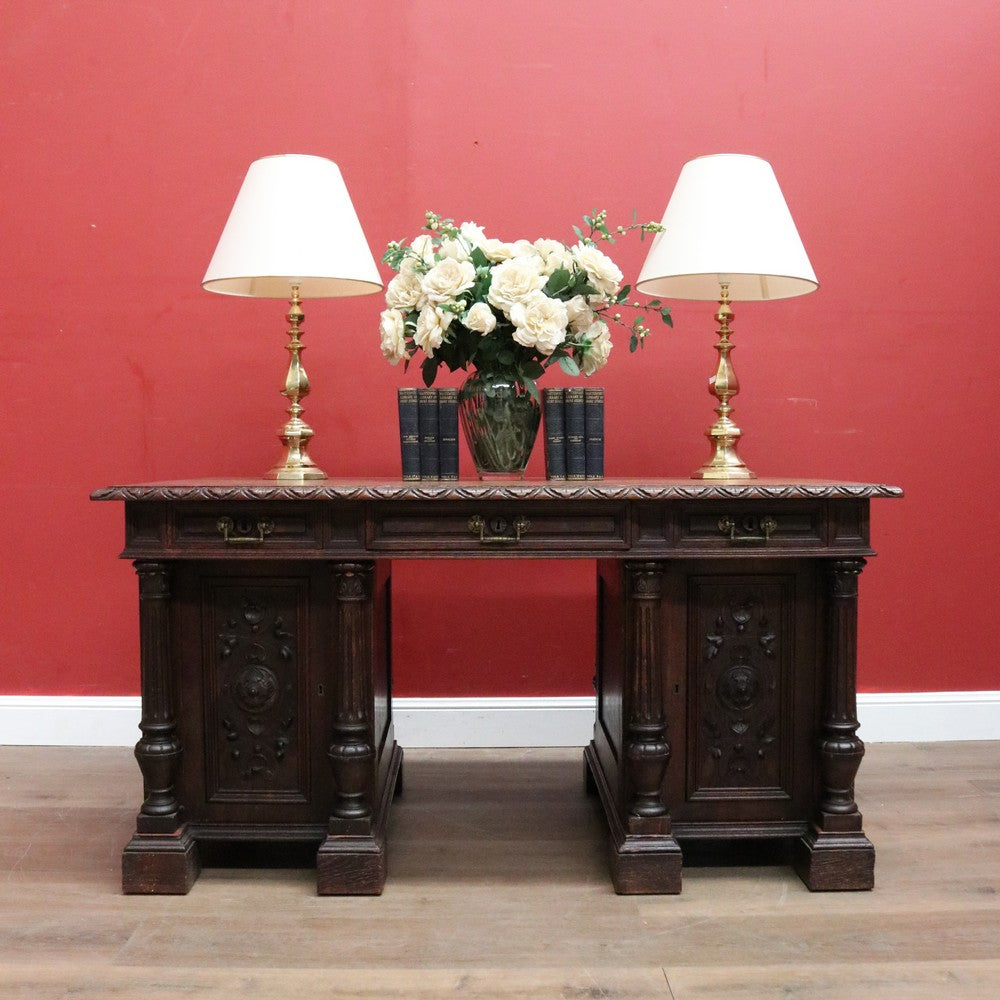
(726,636)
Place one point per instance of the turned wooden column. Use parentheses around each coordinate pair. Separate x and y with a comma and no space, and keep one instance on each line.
(840,748)
(351,753)
(645,856)
(161,857)
(835,854)
(646,748)
(158,750)
(351,860)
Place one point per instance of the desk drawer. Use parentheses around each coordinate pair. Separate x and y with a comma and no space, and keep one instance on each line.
(234,528)
(503,529)
(750,525)
(723,526)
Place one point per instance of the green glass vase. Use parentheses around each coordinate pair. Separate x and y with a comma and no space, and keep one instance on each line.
(500,421)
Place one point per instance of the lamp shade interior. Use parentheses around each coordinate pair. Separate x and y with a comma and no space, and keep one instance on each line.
(293,222)
(727,220)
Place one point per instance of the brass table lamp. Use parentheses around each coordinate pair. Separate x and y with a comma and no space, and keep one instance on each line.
(727,236)
(293,234)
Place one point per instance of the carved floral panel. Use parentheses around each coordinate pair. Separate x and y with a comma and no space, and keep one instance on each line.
(255,730)
(740,684)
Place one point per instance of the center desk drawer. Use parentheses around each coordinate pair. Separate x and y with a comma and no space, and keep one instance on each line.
(499,528)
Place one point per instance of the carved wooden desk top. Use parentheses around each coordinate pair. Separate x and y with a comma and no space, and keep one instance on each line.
(514,489)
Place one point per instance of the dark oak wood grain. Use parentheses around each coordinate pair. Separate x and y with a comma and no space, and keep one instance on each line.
(725,678)
(515,489)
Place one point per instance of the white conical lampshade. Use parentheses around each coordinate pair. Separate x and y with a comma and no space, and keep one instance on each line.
(727,221)
(293,223)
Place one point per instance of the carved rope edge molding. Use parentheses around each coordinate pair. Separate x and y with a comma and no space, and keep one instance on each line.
(482,491)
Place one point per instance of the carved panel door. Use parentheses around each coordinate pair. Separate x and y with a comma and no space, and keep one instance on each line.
(747,663)
(248,654)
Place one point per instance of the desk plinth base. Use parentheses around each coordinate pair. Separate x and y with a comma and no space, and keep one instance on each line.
(160,864)
(352,863)
(645,859)
(835,862)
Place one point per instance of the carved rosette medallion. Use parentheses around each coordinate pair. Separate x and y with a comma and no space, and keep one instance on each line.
(737,690)
(256,688)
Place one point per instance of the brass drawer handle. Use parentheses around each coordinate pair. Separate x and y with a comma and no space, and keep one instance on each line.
(244,528)
(500,529)
(758,531)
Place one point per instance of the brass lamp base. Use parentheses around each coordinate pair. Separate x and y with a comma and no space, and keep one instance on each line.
(707,472)
(725,463)
(292,473)
(296,434)
(724,435)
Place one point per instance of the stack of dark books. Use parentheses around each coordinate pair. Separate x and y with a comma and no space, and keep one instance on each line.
(428,433)
(574,433)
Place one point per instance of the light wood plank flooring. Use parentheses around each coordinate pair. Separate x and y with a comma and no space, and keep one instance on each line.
(486,898)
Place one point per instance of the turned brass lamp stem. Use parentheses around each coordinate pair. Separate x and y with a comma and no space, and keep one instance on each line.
(724,435)
(295,435)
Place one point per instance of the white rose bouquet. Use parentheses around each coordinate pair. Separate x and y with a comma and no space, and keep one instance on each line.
(508,308)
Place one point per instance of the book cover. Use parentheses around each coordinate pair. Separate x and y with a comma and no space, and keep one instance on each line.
(427,426)
(409,433)
(553,401)
(593,423)
(448,433)
(576,455)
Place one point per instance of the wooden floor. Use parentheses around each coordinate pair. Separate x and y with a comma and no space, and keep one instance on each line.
(485,899)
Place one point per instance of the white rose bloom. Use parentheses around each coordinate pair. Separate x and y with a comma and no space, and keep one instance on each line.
(601,269)
(497,250)
(554,255)
(472,234)
(513,281)
(596,356)
(480,318)
(447,279)
(420,257)
(539,322)
(581,316)
(393,338)
(404,292)
(431,325)
(456,249)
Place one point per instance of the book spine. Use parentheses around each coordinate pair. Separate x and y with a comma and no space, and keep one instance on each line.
(427,424)
(593,422)
(409,433)
(448,433)
(553,402)
(576,456)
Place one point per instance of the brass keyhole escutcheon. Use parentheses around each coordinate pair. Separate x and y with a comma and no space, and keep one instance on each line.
(244,531)
(499,528)
(755,530)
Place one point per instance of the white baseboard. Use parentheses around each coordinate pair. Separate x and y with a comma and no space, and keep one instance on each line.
(933,716)
(494,722)
(53,721)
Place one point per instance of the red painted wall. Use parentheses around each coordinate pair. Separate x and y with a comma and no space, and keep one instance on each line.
(125,131)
